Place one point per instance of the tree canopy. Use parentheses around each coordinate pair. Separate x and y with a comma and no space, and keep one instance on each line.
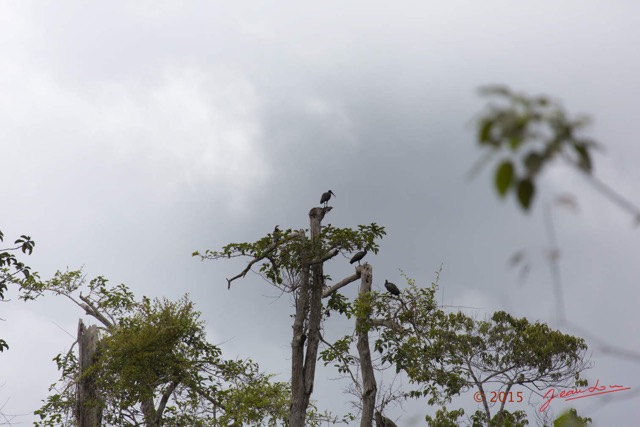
(12,270)
(154,365)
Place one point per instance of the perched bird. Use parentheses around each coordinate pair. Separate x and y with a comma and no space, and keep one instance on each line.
(276,234)
(393,289)
(326,196)
(357,257)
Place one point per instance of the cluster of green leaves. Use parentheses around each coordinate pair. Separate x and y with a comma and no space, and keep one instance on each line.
(439,378)
(157,349)
(274,256)
(352,240)
(339,353)
(9,264)
(533,352)
(571,419)
(62,283)
(11,267)
(445,354)
(446,418)
(161,342)
(112,301)
(285,256)
(501,419)
(530,133)
(341,304)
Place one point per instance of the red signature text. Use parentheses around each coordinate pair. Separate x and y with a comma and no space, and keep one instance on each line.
(579,393)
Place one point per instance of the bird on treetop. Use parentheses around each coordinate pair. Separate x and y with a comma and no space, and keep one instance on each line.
(326,196)
(276,234)
(357,257)
(392,288)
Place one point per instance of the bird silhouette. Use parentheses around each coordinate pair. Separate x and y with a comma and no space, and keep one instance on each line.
(357,257)
(326,196)
(392,288)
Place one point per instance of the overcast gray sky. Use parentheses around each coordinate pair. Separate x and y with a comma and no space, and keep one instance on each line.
(133,133)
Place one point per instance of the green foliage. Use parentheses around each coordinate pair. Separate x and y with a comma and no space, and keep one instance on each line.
(116,300)
(504,177)
(363,310)
(257,402)
(352,240)
(11,268)
(62,283)
(282,260)
(526,190)
(445,354)
(530,133)
(340,303)
(501,419)
(161,342)
(533,351)
(9,264)
(571,419)
(151,350)
(445,418)
(338,353)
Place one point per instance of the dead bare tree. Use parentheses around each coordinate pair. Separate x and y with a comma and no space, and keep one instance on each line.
(309,311)
(300,259)
(369,387)
(89,404)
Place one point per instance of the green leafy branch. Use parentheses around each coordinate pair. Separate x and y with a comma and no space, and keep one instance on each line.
(530,133)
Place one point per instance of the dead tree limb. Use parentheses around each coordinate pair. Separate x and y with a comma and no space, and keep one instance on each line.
(309,308)
(89,405)
(341,284)
(369,388)
(91,310)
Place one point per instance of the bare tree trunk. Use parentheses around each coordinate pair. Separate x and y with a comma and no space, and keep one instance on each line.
(308,307)
(298,410)
(89,404)
(369,387)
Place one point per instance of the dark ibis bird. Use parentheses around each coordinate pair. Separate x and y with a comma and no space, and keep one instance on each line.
(357,257)
(326,196)
(393,289)
(276,234)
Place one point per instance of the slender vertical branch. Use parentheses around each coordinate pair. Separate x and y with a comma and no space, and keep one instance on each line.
(308,307)
(297,350)
(89,406)
(369,387)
